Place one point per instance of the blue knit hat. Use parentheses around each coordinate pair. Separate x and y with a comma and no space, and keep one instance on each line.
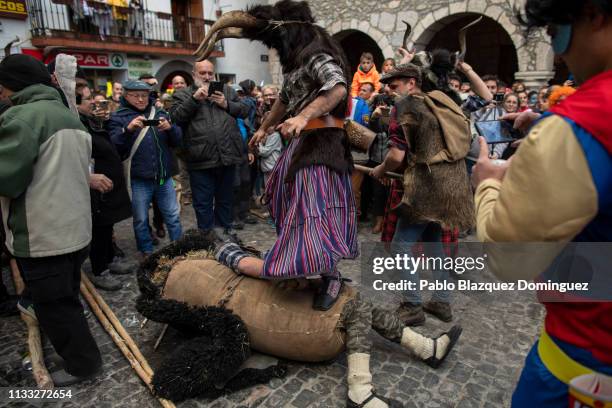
(134,85)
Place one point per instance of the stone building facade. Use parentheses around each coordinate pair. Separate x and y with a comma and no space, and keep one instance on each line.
(382,22)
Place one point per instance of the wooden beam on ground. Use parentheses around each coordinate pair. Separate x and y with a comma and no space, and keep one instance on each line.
(39,370)
(118,334)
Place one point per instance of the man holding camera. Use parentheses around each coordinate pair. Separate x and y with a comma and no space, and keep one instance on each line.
(150,174)
(207,111)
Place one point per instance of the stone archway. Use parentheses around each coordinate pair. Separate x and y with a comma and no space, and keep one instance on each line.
(382,21)
(490,49)
(534,64)
(168,78)
(354,43)
(381,40)
(175,66)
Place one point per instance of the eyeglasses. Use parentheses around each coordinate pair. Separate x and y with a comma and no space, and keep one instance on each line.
(268,96)
(143,96)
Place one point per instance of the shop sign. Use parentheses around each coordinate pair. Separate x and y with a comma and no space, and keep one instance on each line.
(13,9)
(93,60)
(137,67)
(117,60)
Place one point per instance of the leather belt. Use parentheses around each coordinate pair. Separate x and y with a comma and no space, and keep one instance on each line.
(327,121)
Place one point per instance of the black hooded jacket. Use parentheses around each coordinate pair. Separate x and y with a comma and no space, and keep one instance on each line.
(114,206)
(211,136)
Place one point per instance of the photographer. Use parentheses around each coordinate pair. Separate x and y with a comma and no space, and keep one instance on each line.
(151,163)
(110,202)
(213,145)
(509,105)
(158,219)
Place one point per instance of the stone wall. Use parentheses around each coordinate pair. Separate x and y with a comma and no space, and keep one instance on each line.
(382,21)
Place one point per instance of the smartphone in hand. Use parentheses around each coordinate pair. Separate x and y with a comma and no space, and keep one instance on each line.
(151,122)
(215,86)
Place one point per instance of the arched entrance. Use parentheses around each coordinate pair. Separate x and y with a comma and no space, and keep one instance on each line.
(168,79)
(490,50)
(354,43)
(170,69)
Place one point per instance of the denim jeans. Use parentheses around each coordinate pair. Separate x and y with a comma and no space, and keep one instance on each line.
(143,192)
(430,234)
(212,196)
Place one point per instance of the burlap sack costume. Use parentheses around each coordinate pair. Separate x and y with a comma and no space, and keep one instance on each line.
(295,331)
(225,315)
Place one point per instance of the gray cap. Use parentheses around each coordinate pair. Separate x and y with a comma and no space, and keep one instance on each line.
(237,88)
(134,85)
(402,71)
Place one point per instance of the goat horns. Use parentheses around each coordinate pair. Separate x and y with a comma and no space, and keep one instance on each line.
(406,34)
(463,40)
(229,25)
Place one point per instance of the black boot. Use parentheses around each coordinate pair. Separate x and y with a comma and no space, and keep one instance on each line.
(328,293)
(453,334)
(390,402)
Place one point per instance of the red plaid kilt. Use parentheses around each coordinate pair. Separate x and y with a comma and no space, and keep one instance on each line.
(450,237)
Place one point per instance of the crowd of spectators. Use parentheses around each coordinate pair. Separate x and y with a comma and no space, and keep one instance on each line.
(196,142)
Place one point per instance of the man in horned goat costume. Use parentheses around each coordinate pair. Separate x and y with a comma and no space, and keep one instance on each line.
(312,204)
(309,192)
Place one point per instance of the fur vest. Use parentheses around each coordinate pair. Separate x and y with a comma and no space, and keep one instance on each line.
(328,147)
(438,192)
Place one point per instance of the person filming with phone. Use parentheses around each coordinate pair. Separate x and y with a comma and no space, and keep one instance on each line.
(143,134)
(207,112)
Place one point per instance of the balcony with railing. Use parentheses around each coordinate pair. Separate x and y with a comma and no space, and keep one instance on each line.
(97,25)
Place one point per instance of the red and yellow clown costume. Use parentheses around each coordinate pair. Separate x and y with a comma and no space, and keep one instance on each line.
(559,189)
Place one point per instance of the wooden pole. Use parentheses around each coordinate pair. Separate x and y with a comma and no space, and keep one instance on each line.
(39,370)
(116,324)
(121,343)
(389,174)
(18,282)
(161,336)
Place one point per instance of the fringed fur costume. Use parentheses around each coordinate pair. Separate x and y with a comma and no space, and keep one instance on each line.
(437,192)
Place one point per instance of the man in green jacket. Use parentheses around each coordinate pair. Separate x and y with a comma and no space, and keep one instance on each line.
(44,193)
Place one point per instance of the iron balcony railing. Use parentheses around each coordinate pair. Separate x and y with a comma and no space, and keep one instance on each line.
(91,20)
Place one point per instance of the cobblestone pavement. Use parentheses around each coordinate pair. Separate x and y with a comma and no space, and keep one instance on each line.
(498,331)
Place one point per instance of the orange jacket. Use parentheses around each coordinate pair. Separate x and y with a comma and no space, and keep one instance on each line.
(360,77)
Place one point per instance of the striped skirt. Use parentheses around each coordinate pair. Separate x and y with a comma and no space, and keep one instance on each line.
(315,218)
